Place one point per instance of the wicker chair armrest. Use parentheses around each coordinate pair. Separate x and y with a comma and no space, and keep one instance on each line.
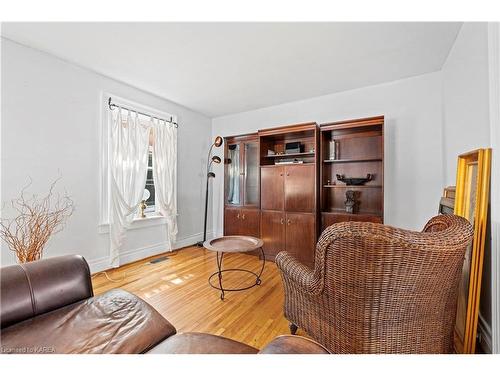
(297,273)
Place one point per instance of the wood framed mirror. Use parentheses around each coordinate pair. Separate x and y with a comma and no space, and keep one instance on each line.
(471,202)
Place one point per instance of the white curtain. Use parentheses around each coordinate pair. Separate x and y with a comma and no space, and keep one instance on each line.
(165,174)
(128,165)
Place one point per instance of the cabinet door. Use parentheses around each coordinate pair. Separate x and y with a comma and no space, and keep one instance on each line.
(272,232)
(300,185)
(251,174)
(232,221)
(301,236)
(233,174)
(271,188)
(249,222)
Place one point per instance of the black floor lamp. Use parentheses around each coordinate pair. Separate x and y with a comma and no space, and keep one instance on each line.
(214,159)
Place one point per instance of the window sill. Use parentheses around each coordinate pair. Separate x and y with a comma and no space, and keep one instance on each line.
(152,220)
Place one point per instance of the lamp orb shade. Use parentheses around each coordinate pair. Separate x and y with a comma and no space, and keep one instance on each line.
(218,141)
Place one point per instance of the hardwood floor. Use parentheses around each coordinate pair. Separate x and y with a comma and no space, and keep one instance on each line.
(179,290)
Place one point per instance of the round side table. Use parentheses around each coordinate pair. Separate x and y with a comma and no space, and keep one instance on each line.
(234,244)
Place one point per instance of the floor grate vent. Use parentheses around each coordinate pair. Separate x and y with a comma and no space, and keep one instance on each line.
(158,260)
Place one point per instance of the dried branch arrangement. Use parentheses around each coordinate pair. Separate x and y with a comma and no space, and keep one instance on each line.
(37,219)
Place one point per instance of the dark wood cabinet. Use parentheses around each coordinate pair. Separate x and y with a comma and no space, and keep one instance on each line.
(281,184)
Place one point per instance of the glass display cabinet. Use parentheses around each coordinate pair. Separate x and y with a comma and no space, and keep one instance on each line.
(241,186)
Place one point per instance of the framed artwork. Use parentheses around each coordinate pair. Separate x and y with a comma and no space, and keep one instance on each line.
(471,202)
(447,202)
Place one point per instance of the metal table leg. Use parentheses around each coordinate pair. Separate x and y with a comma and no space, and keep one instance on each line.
(220,271)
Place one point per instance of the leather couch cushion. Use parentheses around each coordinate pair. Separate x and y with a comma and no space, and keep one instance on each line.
(114,322)
(288,344)
(201,343)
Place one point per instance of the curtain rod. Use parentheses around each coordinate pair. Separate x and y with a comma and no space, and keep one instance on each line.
(113,106)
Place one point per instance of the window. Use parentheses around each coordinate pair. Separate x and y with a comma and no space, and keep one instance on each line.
(104,186)
(150,185)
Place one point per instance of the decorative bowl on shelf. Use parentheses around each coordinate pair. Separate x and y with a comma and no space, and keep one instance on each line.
(355,180)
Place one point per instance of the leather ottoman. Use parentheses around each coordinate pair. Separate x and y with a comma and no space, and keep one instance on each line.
(204,343)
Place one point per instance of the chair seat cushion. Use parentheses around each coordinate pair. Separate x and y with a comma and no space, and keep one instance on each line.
(201,343)
(114,322)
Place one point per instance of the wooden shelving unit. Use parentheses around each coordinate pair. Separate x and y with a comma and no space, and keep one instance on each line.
(288,205)
(289,192)
(360,150)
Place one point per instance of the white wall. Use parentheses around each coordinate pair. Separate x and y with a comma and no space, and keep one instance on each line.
(466,126)
(51,126)
(494,80)
(465,96)
(413,140)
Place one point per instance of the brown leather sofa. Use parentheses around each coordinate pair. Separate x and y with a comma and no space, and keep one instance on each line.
(48,306)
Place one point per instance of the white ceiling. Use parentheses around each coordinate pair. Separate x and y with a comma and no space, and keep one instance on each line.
(222,68)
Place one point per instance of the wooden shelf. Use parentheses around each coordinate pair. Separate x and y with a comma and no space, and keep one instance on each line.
(303,154)
(284,165)
(351,160)
(352,186)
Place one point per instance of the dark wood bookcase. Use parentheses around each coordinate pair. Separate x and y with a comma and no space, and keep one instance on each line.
(359,148)
(289,204)
(289,192)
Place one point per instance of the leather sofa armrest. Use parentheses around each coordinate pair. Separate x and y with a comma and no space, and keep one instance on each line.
(288,344)
(31,289)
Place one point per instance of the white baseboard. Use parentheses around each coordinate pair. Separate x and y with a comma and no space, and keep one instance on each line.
(484,331)
(101,264)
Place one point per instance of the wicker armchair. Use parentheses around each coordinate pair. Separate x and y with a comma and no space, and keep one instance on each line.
(379,289)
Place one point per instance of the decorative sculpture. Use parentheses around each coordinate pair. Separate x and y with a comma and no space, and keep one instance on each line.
(351,205)
(354,180)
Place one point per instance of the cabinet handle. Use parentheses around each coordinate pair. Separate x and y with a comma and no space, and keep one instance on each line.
(287,173)
(288,222)
(238,216)
(243,216)
(282,221)
(281,174)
